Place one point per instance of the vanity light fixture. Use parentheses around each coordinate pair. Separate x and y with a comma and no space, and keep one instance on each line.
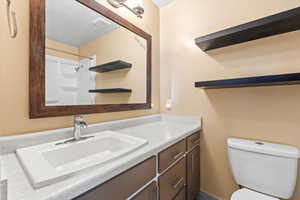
(135,6)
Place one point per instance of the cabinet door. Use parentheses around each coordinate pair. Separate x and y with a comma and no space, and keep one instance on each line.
(149,193)
(193,173)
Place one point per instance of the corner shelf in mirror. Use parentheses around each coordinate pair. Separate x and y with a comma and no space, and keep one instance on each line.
(282,79)
(112,66)
(268,26)
(111,90)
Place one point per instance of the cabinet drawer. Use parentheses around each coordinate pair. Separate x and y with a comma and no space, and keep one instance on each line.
(149,193)
(170,155)
(171,182)
(193,140)
(125,184)
(181,195)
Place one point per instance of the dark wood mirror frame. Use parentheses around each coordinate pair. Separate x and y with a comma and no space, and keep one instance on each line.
(38,109)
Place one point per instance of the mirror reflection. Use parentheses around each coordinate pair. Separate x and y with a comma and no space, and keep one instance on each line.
(87,58)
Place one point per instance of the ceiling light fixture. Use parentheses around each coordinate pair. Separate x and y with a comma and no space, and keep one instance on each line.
(135,6)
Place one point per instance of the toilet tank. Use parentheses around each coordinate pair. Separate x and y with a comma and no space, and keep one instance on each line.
(264,167)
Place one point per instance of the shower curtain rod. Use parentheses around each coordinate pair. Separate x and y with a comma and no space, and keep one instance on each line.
(66,52)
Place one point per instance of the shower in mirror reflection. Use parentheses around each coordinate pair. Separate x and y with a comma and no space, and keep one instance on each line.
(78,39)
(68,81)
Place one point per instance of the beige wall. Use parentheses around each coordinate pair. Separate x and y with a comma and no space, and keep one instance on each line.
(62,48)
(14,73)
(120,44)
(265,113)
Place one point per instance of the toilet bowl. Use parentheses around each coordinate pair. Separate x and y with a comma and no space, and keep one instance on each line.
(257,167)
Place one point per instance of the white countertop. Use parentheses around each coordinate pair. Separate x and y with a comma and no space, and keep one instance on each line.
(160,130)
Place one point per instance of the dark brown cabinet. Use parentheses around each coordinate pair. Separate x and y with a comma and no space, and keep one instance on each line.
(193,173)
(124,185)
(178,176)
(170,155)
(173,180)
(193,140)
(149,193)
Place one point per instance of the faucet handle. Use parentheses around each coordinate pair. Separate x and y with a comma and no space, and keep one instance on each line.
(78,120)
(83,124)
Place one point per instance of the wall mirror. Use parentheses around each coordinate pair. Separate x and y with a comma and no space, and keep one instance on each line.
(86,59)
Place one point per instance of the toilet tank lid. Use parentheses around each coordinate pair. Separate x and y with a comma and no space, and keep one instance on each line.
(264,147)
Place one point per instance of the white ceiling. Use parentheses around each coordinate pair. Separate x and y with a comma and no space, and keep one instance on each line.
(71,23)
(162,3)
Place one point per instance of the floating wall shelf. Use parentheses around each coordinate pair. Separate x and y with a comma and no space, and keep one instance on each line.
(276,24)
(282,79)
(116,65)
(112,90)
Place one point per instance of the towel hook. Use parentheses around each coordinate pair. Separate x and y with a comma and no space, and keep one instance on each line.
(11,18)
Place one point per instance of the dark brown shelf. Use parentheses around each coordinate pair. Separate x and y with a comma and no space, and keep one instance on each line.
(111,90)
(112,66)
(272,25)
(282,79)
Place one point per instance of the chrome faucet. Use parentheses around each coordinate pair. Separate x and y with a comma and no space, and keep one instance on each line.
(78,125)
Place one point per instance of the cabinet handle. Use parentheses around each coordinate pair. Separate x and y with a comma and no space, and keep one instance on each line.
(192,162)
(175,186)
(178,155)
(195,141)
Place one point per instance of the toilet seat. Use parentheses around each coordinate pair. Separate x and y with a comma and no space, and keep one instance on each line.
(246,194)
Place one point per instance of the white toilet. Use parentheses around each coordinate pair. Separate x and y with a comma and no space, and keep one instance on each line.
(265,171)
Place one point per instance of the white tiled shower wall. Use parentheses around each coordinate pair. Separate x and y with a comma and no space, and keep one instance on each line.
(68,82)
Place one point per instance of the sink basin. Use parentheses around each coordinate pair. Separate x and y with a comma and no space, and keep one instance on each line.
(48,163)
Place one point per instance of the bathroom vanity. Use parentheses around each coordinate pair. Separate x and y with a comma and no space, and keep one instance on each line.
(177,175)
(167,167)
